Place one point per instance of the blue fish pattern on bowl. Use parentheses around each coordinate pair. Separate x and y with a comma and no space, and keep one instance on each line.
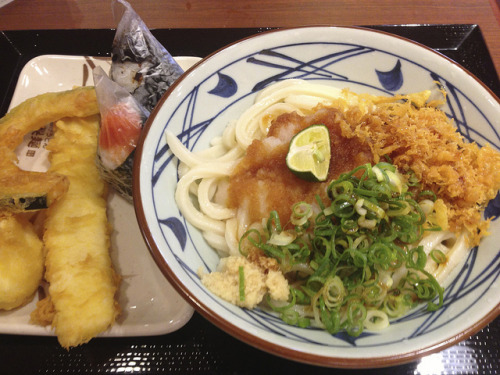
(391,80)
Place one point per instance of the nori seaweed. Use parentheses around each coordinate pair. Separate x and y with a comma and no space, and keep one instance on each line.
(119,178)
(154,69)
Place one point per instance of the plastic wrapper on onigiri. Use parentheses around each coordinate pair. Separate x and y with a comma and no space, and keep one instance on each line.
(122,118)
(141,71)
(139,62)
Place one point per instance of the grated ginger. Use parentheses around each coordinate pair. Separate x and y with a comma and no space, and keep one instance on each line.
(225,282)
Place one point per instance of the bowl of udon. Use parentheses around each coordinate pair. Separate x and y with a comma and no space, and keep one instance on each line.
(327,195)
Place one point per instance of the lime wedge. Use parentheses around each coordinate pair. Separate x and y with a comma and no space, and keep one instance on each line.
(309,153)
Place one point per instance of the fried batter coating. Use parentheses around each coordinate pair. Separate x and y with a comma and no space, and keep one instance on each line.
(36,112)
(262,181)
(29,191)
(82,282)
(24,190)
(21,255)
(21,261)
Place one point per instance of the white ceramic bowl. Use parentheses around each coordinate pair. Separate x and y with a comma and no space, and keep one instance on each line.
(219,89)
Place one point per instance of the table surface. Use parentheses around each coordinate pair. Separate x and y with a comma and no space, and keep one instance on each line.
(179,352)
(200,347)
(95,14)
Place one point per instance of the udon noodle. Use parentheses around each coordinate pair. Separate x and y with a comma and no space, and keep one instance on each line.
(204,173)
(205,176)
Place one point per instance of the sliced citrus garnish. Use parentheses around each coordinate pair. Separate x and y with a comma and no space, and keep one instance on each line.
(309,153)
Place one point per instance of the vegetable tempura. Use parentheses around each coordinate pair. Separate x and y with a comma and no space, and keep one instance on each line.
(21,261)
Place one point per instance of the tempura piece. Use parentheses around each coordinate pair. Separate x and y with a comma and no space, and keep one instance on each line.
(82,282)
(30,191)
(36,112)
(24,190)
(21,255)
(21,261)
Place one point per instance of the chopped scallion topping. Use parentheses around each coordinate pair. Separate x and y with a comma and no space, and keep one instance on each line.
(241,273)
(340,261)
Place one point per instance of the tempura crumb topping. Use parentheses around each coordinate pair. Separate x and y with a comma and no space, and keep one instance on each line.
(422,139)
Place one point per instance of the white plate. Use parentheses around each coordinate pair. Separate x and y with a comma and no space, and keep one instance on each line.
(150,305)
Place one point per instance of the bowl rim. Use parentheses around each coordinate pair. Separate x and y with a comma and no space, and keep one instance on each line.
(230,328)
